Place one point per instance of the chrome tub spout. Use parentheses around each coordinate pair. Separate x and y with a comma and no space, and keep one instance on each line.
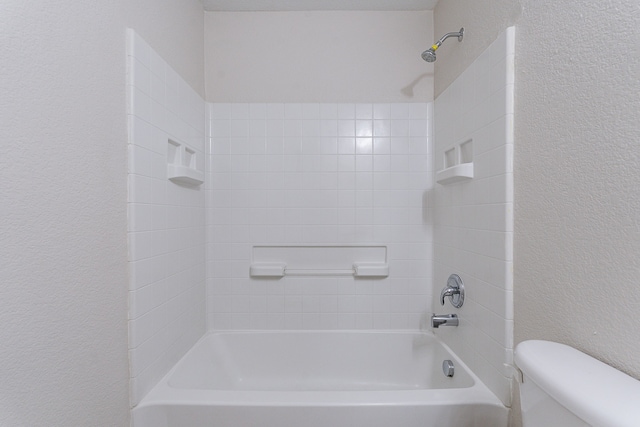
(438,320)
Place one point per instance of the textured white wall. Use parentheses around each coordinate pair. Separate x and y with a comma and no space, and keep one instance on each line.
(577,237)
(577,161)
(341,56)
(63,305)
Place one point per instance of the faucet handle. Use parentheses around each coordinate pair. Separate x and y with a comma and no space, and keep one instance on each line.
(448,292)
(454,290)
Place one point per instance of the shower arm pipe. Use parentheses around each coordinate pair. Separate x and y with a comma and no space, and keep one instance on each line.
(458,34)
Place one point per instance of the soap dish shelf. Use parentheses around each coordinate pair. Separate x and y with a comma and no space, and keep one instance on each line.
(184,175)
(182,164)
(453,174)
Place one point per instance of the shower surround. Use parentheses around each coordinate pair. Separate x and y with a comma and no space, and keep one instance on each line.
(166,223)
(318,175)
(473,219)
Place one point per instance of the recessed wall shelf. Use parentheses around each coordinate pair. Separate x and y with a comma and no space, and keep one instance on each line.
(182,164)
(458,164)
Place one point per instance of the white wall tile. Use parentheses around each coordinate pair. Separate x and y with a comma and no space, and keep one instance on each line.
(166,254)
(473,233)
(315,182)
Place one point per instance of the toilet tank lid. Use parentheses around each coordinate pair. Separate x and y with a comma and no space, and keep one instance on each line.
(599,394)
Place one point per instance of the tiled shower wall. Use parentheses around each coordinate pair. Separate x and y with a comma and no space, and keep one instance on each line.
(166,221)
(319,174)
(473,231)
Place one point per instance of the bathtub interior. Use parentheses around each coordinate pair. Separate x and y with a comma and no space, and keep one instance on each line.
(319,379)
(316,360)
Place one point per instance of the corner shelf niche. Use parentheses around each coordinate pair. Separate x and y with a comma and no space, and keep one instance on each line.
(458,164)
(181,164)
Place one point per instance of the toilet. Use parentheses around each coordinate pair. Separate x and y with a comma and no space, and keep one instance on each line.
(563,387)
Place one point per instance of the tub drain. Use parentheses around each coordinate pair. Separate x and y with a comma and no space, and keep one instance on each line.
(447,368)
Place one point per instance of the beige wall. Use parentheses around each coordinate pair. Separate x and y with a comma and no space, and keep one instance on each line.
(577,235)
(63,169)
(174,29)
(483,21)
(342,56)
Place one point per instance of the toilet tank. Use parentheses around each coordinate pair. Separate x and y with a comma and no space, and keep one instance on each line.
(565,387)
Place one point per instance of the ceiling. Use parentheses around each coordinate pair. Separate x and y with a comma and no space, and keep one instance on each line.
(301,5)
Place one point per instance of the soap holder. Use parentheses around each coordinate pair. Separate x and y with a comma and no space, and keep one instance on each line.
(454,174)
(458,164)
(181,164)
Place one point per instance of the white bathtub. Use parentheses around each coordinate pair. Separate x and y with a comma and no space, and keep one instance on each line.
(319,379)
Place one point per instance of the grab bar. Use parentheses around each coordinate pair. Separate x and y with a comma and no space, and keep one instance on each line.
(300,272)
(280,270)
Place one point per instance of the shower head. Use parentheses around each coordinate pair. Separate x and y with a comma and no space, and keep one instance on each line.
(429,55)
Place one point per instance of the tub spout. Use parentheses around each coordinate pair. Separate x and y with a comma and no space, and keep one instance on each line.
(438,320)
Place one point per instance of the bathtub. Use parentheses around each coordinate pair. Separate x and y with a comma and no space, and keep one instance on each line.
(319,379)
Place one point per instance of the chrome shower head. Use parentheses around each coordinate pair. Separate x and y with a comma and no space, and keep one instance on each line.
(429,55)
